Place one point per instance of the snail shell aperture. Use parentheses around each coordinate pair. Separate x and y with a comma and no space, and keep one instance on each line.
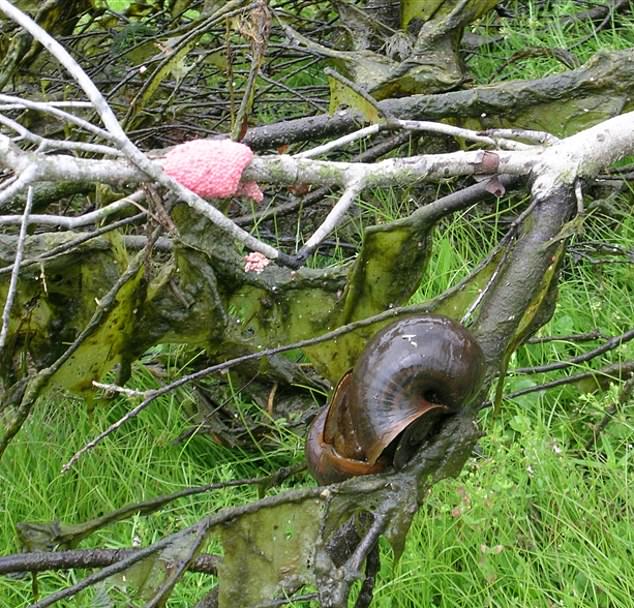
(411,373)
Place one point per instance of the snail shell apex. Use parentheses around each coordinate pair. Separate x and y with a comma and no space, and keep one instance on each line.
(412,372)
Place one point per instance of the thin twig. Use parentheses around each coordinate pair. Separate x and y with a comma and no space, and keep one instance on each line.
(368,542)
(76,533)
(372,566)
(614,371)
(537,137)
(13,283)
(70,223)
(333,218)
(17,185)
(45,143)
(122,390)
(579,197)
(468,134)
(70,245)
(607,346)
(108,571)
(360,91)
(335,144)
(625,395)
(590,336)
(53,108)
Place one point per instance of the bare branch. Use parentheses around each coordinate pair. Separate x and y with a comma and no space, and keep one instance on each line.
(607,346)
(535,137)
(70,223)
(603,377)
(84,238)
(333,218)
(43,561)
(17,185)
(335,144)
(595,334)
(45,143)
(497,140)
(53,108)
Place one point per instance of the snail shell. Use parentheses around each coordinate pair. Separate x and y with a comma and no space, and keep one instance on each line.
(410,374)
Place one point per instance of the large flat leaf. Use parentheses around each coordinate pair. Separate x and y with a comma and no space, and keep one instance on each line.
(269,553)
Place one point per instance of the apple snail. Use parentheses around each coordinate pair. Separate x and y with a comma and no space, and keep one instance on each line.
(412,373)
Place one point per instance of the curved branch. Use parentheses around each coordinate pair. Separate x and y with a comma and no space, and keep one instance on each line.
(615,70)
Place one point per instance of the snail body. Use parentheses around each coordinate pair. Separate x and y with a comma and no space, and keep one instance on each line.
(411,373)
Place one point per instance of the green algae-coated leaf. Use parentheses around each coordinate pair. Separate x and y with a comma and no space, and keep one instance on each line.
(175,66)
(400,523)
(366,501)
(342,95)
(363,67)
(455,304)
(365,498)
(269,553)
(145,578)
(102,349)
(425,10)
(202,296)
(56,299)
(398,249)
(531,314)
(418,9)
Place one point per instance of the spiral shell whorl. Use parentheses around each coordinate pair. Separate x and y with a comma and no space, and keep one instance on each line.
(412,372)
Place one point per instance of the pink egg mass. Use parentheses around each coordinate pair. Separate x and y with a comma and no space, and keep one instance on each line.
(212,168)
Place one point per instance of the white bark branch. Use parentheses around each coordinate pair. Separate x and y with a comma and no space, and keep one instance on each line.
(498,141)
(45,143)
(14,103)
(118,135)
(15,273)
(333,218)
(70,223)
(339,143)
(17,185)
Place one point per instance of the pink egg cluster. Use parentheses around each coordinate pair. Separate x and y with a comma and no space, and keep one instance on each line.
(255,262)
(212,168)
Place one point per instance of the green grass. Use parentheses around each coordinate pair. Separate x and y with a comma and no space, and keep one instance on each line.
(528,524)
(532,29)
(139,462)
(534,520)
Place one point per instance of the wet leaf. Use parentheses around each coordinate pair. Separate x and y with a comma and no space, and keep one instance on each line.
(269,553)
(426,10)
(342,95)
(174,66)
(145,578)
